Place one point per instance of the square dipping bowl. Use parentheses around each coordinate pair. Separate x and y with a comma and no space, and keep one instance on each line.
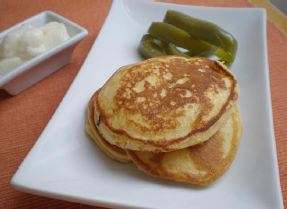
(39,67)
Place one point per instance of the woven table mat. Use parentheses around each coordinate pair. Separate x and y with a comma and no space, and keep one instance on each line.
(23,117)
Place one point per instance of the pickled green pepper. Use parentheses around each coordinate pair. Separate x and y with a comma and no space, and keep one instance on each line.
(197,38)
(171,49)
(206,31)
(150,47)
(171,34)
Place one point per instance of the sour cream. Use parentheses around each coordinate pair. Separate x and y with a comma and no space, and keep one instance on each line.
(21,45)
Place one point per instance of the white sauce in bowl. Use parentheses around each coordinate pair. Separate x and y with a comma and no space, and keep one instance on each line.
(28,42)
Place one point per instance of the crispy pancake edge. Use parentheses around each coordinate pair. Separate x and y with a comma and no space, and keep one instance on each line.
(111,150)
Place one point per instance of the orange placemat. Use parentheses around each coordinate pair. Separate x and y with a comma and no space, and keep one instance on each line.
(23,117)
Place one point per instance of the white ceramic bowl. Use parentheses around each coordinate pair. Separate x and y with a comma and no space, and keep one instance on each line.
(44,64)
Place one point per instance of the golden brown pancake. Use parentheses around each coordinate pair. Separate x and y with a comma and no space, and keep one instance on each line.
(201,164)
(112,151)
(165,103)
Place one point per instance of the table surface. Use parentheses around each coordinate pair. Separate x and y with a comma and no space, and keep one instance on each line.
(23,117)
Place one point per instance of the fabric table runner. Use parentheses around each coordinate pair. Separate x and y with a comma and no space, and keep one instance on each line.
(23,117)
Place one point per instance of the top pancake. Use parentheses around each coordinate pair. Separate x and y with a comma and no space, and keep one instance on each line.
(165,103)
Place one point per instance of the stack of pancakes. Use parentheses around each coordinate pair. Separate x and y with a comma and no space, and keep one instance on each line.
(175,118)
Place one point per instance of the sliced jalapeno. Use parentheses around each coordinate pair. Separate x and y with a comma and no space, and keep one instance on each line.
(171,49)
(207,31)
(171,34)
(150,47)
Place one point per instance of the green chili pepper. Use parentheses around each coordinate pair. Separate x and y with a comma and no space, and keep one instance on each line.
(171,34)
(206,31)
(171,49)
(199,37)
(150,47)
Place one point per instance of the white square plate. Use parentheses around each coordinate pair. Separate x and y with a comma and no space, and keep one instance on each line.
(66,164)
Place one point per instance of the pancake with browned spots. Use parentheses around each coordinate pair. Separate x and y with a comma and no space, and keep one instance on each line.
(201,164)
(112,151)
(165,103)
